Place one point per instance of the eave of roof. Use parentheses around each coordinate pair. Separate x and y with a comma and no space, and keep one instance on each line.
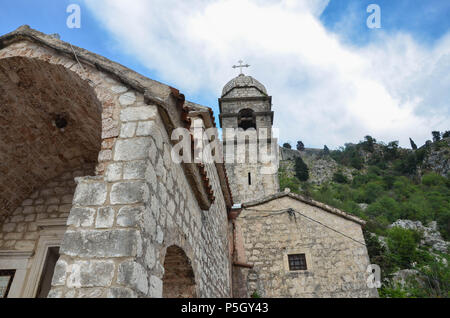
(303,199)
(208,119)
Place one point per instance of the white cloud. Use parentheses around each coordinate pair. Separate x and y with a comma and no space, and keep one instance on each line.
(324,91)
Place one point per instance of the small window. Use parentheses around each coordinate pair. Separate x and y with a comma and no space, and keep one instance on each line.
(297,262)
(249,178)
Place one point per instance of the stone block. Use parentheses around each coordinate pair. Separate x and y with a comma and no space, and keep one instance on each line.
(113,172)
(121,292)
(156,287)
(133,275)
(127,99)
(83,217)
(105,155)
(25,245)
(55,293)
(28,210)
(18,218)
(91,273)
(13,236)
(60,273)
(145,128)
(105,218)
(68,198)
(88,193)
(129,216)
(95,243)
(91,293)
(119,89)
(27,202)
(128,192)
(138,113)
(132,149)
(128,130)
(150,256)
(134,170)
(9,227)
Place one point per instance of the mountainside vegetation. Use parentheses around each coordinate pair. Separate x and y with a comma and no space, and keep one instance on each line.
(389,183)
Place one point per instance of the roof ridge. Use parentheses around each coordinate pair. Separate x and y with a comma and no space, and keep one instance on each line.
(306,200)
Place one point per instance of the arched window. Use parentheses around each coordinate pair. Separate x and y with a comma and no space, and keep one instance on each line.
(246,119)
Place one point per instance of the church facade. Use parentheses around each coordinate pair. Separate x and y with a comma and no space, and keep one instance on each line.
(92,204)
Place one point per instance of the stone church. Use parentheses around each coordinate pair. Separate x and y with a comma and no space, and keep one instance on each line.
(92,204)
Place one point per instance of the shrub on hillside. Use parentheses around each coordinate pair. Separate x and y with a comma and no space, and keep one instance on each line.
(402,244)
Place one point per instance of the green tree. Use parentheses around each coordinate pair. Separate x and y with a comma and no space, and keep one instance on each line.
(339,177)
(301,169)
(368,143)
(287,145)
(385,206)
(407,165)
(436,136)
(413,144)
(371,191)
(391,150)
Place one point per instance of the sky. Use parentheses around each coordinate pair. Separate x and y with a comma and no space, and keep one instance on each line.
(333,79)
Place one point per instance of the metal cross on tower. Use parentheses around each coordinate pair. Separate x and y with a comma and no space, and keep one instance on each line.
(241,65)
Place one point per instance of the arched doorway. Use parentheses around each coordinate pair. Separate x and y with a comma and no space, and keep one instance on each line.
(179,279)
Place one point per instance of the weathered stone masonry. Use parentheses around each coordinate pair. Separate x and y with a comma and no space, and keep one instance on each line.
(336,264)
(139,203)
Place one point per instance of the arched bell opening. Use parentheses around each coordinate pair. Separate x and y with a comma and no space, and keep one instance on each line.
(246,119)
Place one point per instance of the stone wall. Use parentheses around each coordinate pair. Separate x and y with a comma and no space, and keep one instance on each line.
(53,200)
(336,264)
(143,206)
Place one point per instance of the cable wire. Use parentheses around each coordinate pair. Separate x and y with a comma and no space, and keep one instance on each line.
(293,212)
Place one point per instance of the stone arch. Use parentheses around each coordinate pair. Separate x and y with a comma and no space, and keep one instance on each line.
(179,278)
(51,120)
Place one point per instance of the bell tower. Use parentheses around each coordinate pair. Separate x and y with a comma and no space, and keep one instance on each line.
(250,152)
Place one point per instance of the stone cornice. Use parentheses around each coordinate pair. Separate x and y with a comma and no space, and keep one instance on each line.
(16,254)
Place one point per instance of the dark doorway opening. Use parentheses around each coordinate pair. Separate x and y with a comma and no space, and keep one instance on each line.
(45,283)
(178,280)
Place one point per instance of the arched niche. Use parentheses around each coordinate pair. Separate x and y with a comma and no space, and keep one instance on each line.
(179,278)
